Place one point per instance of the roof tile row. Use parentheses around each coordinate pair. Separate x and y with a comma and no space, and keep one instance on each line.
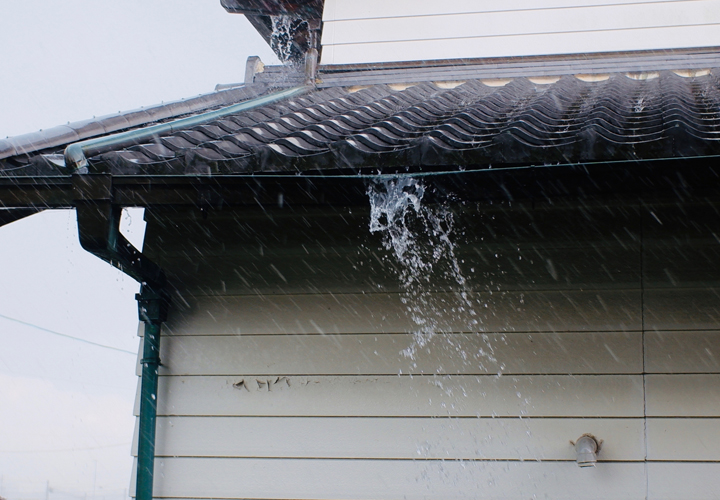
(424,125)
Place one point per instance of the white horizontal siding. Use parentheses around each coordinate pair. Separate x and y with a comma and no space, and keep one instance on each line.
(424,30)
(297,392)
(345,10)
(384,479)
(665,309)
(683,439)
(571,310)
(405,396)
(670,481)
(508,353)
(524,22)
(512,353)
(682,352)
(676,308)
(683,395)
(669,439)
(398,438)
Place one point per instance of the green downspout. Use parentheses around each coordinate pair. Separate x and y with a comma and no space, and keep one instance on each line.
(152,309)
(98,228)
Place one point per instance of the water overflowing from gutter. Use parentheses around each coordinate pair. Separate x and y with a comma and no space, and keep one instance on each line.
(283,34)
(420,240)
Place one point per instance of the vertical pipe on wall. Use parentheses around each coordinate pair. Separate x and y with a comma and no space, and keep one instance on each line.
(152,310)
(98,228)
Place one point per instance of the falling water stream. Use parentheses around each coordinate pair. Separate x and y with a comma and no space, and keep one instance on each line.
(420,239)
(282,36)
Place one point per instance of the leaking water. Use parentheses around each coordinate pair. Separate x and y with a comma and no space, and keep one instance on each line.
(420,239)
(283,34)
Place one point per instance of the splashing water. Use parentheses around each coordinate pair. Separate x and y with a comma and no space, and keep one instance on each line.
(283,34)
(419,238)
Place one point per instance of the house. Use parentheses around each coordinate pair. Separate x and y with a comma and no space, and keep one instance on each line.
(474,248)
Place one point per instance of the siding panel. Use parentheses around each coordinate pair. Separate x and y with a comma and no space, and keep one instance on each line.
(686,439)
(524,22)
(322,412)
(395,438)
(682,352)
(524,45)
(682,309)
(670,481)
(549,311)
(381,479)
(392,396)
(406,31)
(388,354)
(683,395)
(337,10)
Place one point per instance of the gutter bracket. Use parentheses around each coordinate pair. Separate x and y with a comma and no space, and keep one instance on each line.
(99,232)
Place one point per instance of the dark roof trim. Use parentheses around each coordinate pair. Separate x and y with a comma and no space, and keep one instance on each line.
(515,67)
(77,131)
(601,182)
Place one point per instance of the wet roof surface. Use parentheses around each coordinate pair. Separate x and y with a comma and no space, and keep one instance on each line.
(434,125)
(570,120)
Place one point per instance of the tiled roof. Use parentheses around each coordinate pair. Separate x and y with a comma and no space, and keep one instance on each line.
(475,123)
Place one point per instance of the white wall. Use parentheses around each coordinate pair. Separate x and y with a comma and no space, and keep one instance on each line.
(411,30)
(283,374)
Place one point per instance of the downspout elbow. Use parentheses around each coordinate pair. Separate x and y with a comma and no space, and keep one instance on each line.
(75,158)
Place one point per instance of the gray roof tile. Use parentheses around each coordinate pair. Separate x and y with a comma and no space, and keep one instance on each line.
(425,126)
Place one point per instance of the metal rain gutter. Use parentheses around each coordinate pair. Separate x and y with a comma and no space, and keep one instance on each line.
(76,154)
(98,228)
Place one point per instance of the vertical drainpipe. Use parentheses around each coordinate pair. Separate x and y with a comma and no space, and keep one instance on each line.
(152,310)
(312,54)
(99,232)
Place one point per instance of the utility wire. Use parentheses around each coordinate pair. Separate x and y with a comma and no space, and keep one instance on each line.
(67,449)
(67,336)
(437,173)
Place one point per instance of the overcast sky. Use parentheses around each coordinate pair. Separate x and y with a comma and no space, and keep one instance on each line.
(66,406)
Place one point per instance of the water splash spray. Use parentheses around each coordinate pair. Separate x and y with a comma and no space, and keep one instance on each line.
(283,34)
(419,238)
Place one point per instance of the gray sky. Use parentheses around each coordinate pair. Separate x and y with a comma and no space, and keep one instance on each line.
(66,406)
